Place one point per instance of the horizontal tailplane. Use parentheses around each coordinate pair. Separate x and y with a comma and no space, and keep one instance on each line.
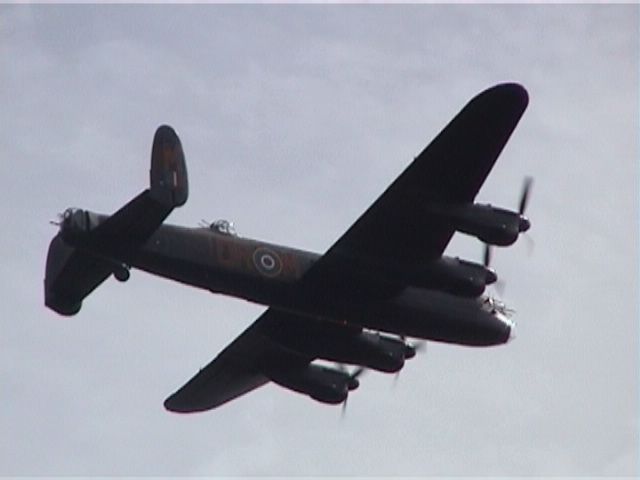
(90,247)
(70,276)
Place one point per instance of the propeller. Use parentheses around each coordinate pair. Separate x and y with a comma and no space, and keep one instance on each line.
(524,197)
(353,383)
(419,346)
(522,206)
(486,258)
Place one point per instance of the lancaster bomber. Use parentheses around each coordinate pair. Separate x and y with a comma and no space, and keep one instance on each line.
(384,280)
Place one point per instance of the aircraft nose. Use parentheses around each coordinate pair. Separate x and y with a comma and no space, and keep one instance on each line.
(525,224)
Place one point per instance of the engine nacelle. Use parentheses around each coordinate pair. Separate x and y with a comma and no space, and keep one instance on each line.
(492,225)
(368,349)
(345,344)
(453,275)
(321,383)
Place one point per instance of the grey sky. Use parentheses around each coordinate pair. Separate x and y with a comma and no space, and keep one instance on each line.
(294,119)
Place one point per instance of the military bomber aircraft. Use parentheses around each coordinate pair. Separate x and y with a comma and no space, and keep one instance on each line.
(356,304)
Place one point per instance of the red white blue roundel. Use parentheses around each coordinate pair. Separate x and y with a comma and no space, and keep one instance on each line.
(267,262)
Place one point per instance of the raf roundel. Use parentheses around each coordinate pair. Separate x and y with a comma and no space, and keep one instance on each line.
(267,262)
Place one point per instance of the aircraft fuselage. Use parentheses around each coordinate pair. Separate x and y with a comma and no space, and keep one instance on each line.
(272,275)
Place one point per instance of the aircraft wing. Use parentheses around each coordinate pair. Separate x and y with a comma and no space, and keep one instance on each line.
(397,229)
(237,369)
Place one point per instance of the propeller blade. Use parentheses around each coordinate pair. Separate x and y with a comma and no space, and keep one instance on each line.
(524,198)
(353,377)
(420,346)
(415,347)
(353,382)
(487,255)
(530,244)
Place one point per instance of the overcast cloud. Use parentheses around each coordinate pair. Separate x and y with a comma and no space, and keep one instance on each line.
(294,119)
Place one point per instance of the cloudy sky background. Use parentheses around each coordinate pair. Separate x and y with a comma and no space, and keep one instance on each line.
(294,119)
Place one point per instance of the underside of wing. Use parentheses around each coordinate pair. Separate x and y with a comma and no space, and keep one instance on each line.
(231,374)
(70,276)
(281,347)
(398,229)
(224,379)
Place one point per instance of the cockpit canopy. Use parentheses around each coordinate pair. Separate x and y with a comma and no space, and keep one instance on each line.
(224,227)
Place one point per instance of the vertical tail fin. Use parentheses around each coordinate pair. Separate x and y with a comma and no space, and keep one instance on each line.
(169,182)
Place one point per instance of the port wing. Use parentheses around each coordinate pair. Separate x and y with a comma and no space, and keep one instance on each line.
(237,370)
(396,230)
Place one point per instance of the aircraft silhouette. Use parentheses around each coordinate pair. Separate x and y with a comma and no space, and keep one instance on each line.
(387,273)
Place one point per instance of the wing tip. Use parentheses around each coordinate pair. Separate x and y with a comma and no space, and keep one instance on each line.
(512,93)
(173,404)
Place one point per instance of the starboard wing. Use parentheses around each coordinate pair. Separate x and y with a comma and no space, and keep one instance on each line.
(396,229)
(236,370)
